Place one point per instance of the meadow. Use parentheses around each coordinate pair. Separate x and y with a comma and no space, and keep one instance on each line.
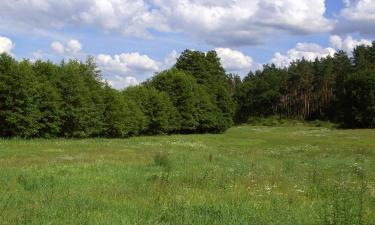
(248,175)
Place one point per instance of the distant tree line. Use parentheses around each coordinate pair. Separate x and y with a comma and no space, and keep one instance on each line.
(339,89)
(70,99)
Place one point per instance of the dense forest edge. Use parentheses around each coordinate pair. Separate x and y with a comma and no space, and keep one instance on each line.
(70,99)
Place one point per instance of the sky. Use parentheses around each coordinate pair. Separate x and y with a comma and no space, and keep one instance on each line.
(131,40)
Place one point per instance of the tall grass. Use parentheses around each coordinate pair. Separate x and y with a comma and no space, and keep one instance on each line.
(249,175)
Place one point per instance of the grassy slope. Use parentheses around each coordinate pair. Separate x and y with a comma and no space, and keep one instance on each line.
(250,175)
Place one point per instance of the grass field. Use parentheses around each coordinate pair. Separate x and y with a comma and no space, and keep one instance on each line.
(249,175)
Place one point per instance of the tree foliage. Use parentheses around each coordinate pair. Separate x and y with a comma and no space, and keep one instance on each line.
(339,89)
(160,114)
(19,115)
(359,100)
(196,111)
(70,99)
(207,70)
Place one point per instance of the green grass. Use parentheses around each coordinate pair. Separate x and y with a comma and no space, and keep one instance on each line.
(249,175)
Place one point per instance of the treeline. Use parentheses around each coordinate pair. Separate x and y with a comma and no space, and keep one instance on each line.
(70,99)
(339,89)
(44,99)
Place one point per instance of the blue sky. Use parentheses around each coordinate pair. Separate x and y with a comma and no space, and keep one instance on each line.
(133,39)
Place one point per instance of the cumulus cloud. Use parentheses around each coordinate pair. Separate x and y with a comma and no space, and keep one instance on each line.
(120,82)
(130,17)
(235,61)
(347,44)
(58,47)
(357,16)
(308,51)
(6,45)
(304,16)
(72,47)
(311,51)
(244,22)
(126,62)
(120,70)
(359,10)
(170,60)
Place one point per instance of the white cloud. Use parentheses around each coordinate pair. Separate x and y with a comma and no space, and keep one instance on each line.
(220,22)
(72,46)
(170,60)
(6,45)
(359,10)
(311,51)
(120,82)
(347,44)
(121,70)
(58,47)
(243,22)
(357,16)
(130,17)
(308,51)
(336,41)
(126,69)
(235,61)
(126,62)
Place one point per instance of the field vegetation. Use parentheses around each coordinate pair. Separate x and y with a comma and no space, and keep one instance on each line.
(290,174)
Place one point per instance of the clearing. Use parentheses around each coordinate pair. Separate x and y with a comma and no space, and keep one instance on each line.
(249,175)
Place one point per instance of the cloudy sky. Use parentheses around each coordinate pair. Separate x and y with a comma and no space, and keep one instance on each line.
(133,39)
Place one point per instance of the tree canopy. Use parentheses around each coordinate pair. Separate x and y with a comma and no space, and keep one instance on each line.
(70,99)
(338,89)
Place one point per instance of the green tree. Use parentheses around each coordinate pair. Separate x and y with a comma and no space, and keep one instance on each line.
(48,99)
(19,113)
(342,69)
(49,105)
(208,71)
(161,115)
(234,82)
(80,115)
(122,117)
(95,86)
(359,100)
(196,111)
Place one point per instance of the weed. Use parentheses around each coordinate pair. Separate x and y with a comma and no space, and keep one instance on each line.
(210,157)
(162,159)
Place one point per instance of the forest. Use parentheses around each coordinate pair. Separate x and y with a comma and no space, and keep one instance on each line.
(196,95)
